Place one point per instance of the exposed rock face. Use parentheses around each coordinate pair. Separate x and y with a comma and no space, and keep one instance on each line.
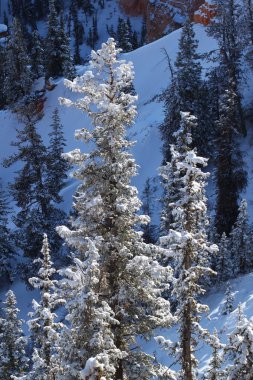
(134,7)
(161,16)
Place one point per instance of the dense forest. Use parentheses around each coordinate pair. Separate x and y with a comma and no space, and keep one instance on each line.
(122,268)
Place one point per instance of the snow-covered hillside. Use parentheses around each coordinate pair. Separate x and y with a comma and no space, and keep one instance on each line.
(242,293)
(152,76)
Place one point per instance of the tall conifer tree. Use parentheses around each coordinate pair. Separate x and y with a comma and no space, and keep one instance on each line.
(13,360)
(114,289)
(187,243)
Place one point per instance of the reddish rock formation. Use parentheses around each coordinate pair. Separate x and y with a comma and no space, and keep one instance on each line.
(205,13)
(134,7)
(159,15)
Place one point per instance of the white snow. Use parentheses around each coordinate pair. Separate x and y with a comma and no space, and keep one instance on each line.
(3,28)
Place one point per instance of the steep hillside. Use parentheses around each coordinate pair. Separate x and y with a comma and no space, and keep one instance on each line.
(152,77)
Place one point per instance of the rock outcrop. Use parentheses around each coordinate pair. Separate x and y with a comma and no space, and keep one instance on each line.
(161,16)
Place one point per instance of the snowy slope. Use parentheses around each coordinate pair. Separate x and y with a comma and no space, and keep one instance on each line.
(152,77)
(242,292)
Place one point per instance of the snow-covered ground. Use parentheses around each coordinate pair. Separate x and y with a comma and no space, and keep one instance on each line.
(242,291)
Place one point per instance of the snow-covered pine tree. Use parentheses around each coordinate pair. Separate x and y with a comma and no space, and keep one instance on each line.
(187,243)
(32,194)
(240,348)
(6,245)
(57,51)
(13,360)
(150,230)
(226,29)
(240,242)
(184,92)
(18,76)
(67,65)
(230,175)
(37,55)
(229,301)
(114,289)
(43,326)
(214,371)
(57,166)
(124,35)
(223,263)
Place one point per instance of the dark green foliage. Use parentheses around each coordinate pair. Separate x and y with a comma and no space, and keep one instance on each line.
(230,175)
(78,32)
(124,35)
(33,192)
(57,166)
(93,33)
(18,78)
(143,31)
(6,245)
(186,93)
(58,58)
(37,55)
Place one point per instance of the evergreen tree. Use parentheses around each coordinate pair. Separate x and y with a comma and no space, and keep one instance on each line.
(13,360)
(148,195)
(135,42)
(37,55)
(114,288)
(57,52)
(240,244)
(43,326)
(6,246)
(229,300)
(143,31)
(32,194)
(124,35)
(223,263)
(185,93)
(78,32)
(230,176)
(226,29)
(57,166)
(240,348)
(68,69)
(214,371)
(187,243)
(18,78)
(95,29)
